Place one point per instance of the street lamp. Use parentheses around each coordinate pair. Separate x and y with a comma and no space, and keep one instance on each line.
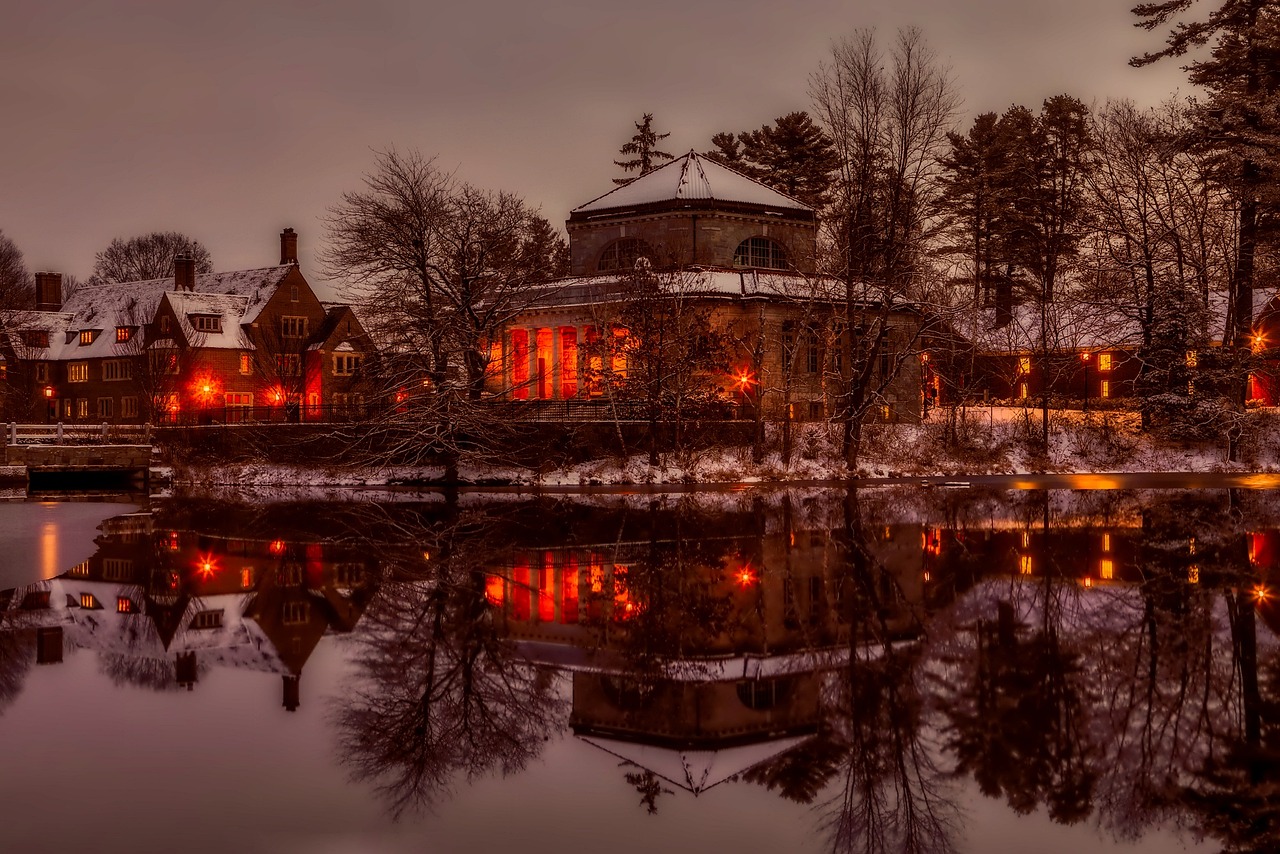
(1085,357)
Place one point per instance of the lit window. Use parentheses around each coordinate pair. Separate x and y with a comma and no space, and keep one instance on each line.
(87,336)
(1026,539)
(82,408)
(345,364)
(117,369)
(124,605)
(293,327)
(1022,391)
(78,372)
(246,363)
(88,600)
(206,323)
(289,365)
(1107,569)
(1024,564)
(1106,542)
(760,252)
(80,570)
(1106,388)
(164,362)
(1024,365)
(1193,358)
(1104,361)
(622,254)
(246,578)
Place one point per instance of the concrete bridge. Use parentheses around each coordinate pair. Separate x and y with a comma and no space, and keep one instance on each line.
(59,456)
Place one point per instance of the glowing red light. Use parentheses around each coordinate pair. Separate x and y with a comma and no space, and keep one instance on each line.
(206,567)
(746,577)
(277,547)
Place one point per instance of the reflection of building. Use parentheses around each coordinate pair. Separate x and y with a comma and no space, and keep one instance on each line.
(699,662)
(161,607)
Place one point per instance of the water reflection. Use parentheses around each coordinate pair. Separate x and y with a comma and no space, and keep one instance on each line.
(1106,657)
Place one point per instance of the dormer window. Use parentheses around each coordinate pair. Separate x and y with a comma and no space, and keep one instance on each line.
(123,334)
(206,322)
(87,336)
(760,252)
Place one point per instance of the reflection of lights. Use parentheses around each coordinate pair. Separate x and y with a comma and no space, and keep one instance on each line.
(1261,593)
(1088,582)
(1024,564)
(206,567)
(1193,574)
(277,547)
(426,555)
(926,577)
(746,577)
(49,562)
(1107,569)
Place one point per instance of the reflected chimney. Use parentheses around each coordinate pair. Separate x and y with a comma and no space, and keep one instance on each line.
(291,694)
(48,291)
(184,273)
(49,645)
(187,672)
(288,246)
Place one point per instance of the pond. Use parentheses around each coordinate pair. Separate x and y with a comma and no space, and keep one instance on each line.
(889,669)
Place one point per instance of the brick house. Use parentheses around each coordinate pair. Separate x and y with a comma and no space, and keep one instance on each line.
(247,344)
(723,244)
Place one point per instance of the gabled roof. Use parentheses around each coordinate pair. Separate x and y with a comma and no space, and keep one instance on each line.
(105,306)
(691,178)
(231,308)
(695,770)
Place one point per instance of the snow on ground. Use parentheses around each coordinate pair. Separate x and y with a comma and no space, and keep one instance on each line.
(989,440)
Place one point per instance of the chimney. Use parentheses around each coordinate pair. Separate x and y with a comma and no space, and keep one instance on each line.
(288,246)
(184,273)
(48,291)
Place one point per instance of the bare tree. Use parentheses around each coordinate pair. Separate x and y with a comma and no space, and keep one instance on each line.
(887,117)
(147,256)
(439,268)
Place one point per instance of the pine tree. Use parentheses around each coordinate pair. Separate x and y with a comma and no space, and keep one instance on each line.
(794,156)
(643,149)
(1239,122)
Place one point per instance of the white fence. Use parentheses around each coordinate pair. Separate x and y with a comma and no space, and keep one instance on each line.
(77,434)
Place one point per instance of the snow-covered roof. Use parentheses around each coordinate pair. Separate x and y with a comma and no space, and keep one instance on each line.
(1084,325)
(587,290)
(230,308)
(695,770)
(106,306)
(692,178)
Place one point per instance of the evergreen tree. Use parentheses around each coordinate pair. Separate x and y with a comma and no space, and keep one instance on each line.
(643,149)
(977,198)
(1239,123)
(793,156)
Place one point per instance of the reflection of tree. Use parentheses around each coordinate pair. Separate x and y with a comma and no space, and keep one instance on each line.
(15,662)
(650,788)
(892,795)
(439,696)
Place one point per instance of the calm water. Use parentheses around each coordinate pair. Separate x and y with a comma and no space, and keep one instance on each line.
(884,670)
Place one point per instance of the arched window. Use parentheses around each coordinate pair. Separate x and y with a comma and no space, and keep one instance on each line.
(623,254)
(760,252)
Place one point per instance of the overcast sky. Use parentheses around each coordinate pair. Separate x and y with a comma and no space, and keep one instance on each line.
(231,120)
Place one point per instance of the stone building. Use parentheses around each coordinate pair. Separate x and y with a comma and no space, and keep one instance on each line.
(717,247)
